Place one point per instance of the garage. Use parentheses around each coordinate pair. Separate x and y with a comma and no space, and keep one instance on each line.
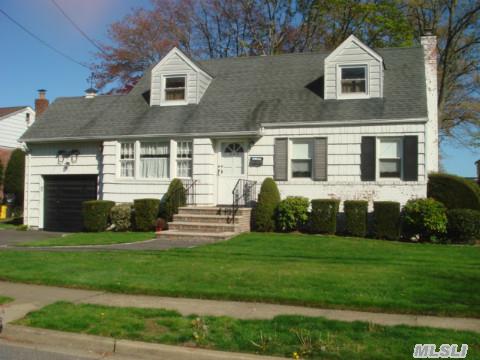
(63,200)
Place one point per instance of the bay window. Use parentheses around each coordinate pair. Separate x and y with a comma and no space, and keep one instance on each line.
(154,160)
(184,159)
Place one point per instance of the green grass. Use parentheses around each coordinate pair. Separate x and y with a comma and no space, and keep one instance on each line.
(5,299)
(331,272)
(6,226)
(315,338)
(102,238)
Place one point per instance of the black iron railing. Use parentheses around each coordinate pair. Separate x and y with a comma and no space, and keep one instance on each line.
(244,194)
(186,195)
(190,186)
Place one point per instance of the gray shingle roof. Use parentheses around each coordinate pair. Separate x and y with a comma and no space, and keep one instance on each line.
(244,93)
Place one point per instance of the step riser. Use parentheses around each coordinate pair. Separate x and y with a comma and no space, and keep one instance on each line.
(209,220)
(213,211)
(199,228)
(191,239)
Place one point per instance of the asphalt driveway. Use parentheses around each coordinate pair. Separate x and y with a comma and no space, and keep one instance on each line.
(11,237)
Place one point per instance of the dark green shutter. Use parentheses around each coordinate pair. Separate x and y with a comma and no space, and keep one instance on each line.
(368,158)
(280,160)
(410,158)
(320,162)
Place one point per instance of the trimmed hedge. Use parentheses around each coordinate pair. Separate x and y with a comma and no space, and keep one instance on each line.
(323,219)
(121,216)
(453,191)
(356,212)
(292,213)
(174,198)
(268,200)
(96,214)
(386,220)
(463,225)
(146,213)
(424,219)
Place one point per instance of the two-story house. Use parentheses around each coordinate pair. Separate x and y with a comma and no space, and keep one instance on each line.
(355,123)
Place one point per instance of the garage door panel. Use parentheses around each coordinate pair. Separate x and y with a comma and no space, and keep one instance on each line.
(63,200)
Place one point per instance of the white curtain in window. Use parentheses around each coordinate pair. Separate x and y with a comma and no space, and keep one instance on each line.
(302,149)
(154,160)
(127,160)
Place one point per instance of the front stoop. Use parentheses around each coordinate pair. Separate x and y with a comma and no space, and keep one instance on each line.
(206,224)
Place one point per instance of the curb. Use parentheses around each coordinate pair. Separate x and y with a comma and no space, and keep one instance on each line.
(122,348)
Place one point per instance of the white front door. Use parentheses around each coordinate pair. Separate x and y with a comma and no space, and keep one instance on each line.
(231,167)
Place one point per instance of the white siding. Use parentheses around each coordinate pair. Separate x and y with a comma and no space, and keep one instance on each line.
(43,160)
(12,127)
(353,54)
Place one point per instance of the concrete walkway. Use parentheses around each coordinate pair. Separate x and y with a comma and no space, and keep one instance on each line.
(32,297)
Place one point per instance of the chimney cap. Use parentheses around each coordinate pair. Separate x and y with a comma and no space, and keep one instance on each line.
(428,31)
(90,93)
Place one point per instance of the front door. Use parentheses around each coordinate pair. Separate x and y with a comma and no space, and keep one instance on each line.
(231,168)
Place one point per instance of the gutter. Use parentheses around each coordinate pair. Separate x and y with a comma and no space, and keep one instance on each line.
(170,135)
(346,123)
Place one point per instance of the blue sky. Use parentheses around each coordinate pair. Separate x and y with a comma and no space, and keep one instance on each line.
(26,65)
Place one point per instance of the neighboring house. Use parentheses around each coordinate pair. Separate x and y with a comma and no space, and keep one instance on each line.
(14,121)
(355,123)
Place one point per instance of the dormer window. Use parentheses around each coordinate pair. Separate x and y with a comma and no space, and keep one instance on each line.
(175,88)
(353,80)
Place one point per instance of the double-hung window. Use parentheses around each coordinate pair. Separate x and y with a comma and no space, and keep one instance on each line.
(353,80)
(175,88)
(301,158)
(127,159)
(390,158)
(154,160)
(184,159)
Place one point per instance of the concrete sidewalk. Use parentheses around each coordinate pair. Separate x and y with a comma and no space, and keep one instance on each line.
(32,297)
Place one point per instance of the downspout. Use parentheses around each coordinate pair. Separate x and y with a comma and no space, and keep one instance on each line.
(26,202)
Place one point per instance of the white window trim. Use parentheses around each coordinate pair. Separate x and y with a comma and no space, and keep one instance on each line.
(177,158)
(377,159)
(166,102)
(290,158)
(137,178)
(366,94)
(118,162)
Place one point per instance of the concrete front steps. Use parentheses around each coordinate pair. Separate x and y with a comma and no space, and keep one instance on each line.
(206,224)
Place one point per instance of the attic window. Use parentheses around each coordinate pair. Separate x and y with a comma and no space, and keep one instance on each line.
(353,79)
(175,88)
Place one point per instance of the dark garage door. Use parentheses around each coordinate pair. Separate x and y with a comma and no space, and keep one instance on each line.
(63,200)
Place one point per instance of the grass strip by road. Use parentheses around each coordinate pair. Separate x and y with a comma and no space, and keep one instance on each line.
(290,336)
(5,299)
(319,271)
(101,238)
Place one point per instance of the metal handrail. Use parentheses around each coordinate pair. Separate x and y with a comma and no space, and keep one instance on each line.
(189,190)
(244,194)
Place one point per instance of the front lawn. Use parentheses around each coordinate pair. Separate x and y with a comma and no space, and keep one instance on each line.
(332,272)
(307,337)
(5,299)
(102,238)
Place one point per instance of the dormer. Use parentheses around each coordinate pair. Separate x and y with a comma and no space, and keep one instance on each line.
(353,71)
(177,80)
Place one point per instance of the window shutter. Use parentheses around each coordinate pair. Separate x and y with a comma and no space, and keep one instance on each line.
(280,160)
(368,158)
(320,159)
(410,158)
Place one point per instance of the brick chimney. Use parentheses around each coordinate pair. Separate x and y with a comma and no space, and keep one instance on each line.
(429,44)
(41,103)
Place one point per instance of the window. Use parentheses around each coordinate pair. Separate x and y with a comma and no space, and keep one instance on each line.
(390,158)
(184,159)
(353,79)
(127,159)
(302,158)
(175,88)
(154,160)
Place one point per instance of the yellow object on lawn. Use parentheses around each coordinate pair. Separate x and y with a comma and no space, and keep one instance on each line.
(3,212)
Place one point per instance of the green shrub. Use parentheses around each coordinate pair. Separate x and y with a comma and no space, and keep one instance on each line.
(268,200)
(15,176)
(96,214)
(356,212)
(463,225)
(146,213)
(121,216)
(425,219)
(292,213)
(386,220)
(174,198)
(323,218)
(453,191)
